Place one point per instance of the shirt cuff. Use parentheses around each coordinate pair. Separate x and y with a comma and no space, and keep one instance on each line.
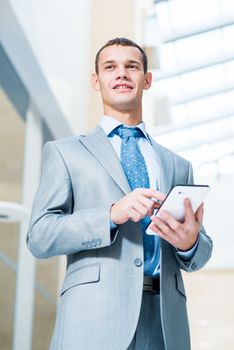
(188,255)
(113,230)
(112,225)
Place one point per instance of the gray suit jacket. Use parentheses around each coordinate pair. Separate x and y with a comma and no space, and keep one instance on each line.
(101,294)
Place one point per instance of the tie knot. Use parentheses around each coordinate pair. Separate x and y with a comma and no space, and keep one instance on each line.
(124,132)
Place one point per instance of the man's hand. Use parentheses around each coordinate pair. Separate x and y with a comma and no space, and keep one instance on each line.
(181,235)
(136,205)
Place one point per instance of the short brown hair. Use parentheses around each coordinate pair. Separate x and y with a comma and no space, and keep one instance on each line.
(123,42)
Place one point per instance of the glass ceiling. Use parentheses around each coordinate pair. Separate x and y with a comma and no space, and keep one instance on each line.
(197,74)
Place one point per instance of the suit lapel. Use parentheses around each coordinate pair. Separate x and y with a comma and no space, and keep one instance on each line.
(98,144)
(166,167)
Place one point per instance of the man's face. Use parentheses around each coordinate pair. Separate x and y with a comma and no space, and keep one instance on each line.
(121,77)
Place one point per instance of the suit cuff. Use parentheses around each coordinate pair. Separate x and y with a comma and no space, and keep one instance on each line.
(113,231)
(188,255)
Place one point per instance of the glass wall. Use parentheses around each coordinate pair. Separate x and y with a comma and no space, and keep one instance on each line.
(196,73)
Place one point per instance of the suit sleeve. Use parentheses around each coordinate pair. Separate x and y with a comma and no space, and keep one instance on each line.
(54,228)
(204,247)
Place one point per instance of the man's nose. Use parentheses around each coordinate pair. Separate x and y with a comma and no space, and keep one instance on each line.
(122,73)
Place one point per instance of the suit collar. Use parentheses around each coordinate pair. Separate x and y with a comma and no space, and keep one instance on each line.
(108,124)
(98,144)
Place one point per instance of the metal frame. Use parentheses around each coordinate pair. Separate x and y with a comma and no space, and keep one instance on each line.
(209,28)
(174,128)
(159,75)
(13,266)
(177,102)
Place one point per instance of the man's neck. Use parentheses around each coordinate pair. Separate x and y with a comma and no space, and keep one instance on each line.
(125,117)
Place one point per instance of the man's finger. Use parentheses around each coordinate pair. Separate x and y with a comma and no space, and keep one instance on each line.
(151,193)
(189,214)
(148,203)
(157,205)
(140,208)
(134,215)
(155,228)
(199,214)
(170,220)
(164,228)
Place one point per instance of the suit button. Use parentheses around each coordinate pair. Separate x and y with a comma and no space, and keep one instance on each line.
(138,262)
(94,243)
(98,241)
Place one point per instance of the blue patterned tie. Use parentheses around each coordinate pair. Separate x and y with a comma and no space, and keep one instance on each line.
(135,169)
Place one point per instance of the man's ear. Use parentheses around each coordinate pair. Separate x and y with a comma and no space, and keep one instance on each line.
(148,80)
(95,82)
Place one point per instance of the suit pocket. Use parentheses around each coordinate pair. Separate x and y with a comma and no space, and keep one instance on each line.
(180,284)
(83,275)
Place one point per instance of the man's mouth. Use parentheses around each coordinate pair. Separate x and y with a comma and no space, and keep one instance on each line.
(122,87)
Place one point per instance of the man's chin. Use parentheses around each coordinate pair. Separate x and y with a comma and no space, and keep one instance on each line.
(125,106)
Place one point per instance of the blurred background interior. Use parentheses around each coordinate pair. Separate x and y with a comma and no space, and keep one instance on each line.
(47,51)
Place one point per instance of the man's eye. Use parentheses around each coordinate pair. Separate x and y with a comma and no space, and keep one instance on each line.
(132,66)
(110,66)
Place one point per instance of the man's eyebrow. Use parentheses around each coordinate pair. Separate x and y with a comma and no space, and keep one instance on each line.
(134,61)
(108,62)
(128,61)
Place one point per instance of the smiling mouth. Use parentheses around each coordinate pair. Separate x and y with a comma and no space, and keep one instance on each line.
(122,87)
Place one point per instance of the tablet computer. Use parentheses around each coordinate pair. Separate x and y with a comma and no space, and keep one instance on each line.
(174,201)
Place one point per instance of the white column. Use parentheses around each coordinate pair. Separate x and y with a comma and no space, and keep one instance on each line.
(24,298)
(139,22)
(62,263)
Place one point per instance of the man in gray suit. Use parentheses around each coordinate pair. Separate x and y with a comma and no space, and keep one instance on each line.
(122,289)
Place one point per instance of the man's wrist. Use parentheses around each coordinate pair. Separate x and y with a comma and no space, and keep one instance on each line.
(188,254)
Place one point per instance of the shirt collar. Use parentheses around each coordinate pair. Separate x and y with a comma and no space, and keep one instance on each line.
(108,124)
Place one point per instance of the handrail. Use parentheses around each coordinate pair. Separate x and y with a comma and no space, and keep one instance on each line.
(12,265)
(12,212)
